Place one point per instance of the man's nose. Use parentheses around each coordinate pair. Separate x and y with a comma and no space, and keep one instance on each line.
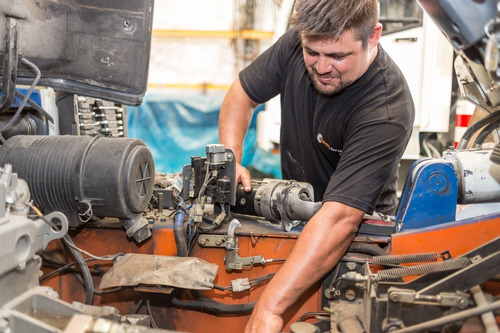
(323,66)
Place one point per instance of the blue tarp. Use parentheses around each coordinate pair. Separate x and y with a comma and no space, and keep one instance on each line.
(176,128)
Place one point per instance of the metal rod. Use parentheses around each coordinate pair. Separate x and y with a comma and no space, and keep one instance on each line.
(451,318)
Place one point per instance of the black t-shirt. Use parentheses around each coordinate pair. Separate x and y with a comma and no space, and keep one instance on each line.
(347,145)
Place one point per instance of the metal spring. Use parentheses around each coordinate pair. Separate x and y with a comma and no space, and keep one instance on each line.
(405,258)
(434,267)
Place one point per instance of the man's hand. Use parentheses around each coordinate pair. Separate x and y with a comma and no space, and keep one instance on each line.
(264,321)
(243,177)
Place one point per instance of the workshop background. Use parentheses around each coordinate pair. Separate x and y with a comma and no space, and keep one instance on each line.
(195,57)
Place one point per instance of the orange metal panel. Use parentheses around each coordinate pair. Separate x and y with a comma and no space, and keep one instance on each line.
(457,237)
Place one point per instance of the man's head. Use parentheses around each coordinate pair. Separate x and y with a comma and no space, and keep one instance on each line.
(339,38)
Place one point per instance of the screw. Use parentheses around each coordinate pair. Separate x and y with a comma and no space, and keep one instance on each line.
(202,241)
(243,201)
(329,293)
(219,241)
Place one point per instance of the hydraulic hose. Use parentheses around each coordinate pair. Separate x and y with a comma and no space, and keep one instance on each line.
(179,235)
(366,248)
(485,132)
(211,306)
(493,117)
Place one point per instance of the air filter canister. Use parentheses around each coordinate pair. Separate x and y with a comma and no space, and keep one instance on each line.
(80,176)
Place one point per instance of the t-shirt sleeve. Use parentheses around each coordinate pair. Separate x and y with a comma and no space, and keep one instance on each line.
(369,159)
(262,79)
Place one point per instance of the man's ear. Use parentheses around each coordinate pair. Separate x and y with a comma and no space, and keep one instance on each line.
(375,37)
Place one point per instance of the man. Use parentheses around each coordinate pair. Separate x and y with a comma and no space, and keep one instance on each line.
(347,115)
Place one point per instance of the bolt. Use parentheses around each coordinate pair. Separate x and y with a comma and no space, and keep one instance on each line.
(351,265)
(202,241)
(219,241)
(462,302)
(394,297)
(52,293)
(243,201)
(350,295)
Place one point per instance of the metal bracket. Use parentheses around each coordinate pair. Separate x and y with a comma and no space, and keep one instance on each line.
(230,243)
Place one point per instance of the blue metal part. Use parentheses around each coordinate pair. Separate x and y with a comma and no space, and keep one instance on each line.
(429,196)
(35,97)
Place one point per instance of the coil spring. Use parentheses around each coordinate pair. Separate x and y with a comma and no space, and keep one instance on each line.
(405,258)
(443,266)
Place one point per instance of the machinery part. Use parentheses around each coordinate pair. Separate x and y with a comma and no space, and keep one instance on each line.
(91,68)
(213,176)
(80,323)
(211,306)
(404,258)
(488,318)
(472,129)
(461,177)
(279,201)
(387,306)
(431,186)
(443,266)
(20,237)
(9,76)
(105,177)
(450,318)
(230,243)
(180,237)
(303,328)
(476,184)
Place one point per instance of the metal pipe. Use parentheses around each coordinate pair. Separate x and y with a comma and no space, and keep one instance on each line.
(489,322)
(451,318)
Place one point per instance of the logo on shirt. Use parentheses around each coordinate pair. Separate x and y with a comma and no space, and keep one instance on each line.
(321,140)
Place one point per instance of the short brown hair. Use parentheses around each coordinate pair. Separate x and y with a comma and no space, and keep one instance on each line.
(323,19)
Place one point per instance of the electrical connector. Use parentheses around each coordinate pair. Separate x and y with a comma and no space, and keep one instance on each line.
(240,285)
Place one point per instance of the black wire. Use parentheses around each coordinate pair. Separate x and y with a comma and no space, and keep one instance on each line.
(87,277)
(221,288)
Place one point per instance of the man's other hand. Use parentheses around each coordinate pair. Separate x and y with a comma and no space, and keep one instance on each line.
(243,177)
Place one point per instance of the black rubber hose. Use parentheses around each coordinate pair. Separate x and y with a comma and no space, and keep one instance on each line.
(87,277)
(179,235)
(211,306)
(485,132)
(492,117)
(366,248)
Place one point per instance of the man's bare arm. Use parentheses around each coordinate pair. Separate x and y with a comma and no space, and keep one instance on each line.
(234,119)
(320,246)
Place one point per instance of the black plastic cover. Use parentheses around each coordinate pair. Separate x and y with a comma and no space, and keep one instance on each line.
(92,48)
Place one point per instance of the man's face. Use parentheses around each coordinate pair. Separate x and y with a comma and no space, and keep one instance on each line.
(335,63)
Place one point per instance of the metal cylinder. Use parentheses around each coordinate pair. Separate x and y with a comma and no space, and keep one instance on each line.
(476,183)
(112,177)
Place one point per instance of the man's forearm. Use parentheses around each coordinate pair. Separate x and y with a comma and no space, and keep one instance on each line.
(234,118)
(321,244)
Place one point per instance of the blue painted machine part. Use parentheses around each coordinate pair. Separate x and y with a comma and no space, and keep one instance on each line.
(35,97)
(429,196)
